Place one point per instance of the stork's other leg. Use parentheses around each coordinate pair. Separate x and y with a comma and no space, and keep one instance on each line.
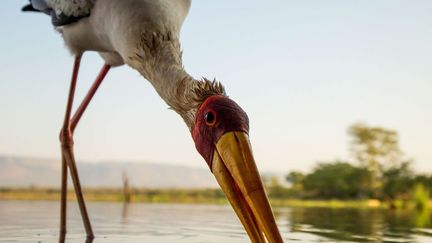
(66,138)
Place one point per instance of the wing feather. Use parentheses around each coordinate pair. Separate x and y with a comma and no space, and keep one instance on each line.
(62,12)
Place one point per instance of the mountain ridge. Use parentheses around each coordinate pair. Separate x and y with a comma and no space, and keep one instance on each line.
(20,171)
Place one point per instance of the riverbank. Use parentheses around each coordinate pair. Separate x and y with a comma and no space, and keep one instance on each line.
(189,196)
(210,196)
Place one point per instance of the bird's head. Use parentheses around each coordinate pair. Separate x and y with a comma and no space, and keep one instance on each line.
(220,133)
(217,116)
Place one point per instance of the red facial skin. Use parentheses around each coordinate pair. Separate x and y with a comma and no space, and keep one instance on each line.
(228,117)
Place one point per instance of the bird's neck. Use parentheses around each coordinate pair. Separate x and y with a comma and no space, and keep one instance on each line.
(158,59)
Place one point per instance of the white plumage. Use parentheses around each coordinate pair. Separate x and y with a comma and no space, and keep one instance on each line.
(143,34)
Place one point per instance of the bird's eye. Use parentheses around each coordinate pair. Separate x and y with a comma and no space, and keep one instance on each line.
(210,118)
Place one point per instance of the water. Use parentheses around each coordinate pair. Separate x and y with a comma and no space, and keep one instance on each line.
(24,221)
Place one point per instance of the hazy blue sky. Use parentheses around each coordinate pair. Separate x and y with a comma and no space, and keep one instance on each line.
(303,70)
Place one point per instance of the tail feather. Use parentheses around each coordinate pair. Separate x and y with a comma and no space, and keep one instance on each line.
(37,6)
(29,8)
(57,19)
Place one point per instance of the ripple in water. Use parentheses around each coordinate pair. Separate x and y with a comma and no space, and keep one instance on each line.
(23,221)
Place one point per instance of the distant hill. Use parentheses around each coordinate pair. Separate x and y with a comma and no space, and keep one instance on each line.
(24,172)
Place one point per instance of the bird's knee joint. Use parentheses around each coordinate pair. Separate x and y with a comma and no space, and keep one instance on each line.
(66,137)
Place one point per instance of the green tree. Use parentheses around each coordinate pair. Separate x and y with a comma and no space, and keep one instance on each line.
(296,179)
(275,189)
(375,148)
(421,197)
(425,180)
(337,180)
(397,181)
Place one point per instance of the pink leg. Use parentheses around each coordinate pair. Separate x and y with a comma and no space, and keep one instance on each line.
(68,158)
(63,206)
(80,111)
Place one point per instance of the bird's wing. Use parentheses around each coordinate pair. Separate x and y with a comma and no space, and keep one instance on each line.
(62,12)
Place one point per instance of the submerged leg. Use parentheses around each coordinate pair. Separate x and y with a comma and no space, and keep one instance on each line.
(63,200)
(68,158)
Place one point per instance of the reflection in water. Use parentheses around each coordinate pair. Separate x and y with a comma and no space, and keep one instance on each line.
(341,224)
(362,224)
(124,213)
(22,221)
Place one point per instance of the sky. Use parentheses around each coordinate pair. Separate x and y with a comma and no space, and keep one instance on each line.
(304,71)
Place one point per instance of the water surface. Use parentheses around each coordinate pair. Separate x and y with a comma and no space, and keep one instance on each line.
(25,221)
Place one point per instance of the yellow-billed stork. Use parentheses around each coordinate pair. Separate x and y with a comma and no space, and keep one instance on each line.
(144,34)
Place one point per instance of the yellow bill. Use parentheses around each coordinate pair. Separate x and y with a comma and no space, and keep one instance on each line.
(235,170)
